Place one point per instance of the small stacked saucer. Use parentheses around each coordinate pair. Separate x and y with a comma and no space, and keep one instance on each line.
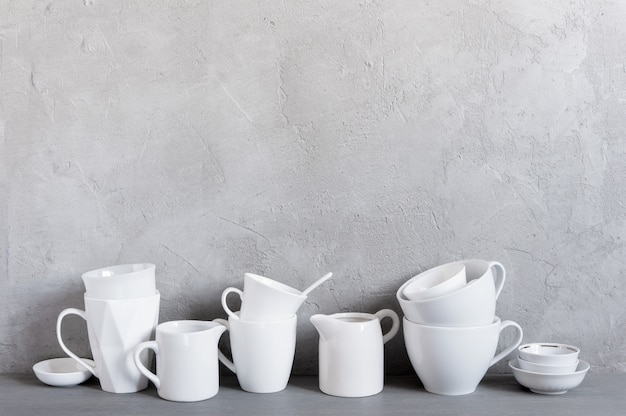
(548,368)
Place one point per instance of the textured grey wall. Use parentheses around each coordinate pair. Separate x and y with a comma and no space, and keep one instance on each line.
(373,139)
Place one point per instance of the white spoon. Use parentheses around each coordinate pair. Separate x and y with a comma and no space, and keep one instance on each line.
(316,284)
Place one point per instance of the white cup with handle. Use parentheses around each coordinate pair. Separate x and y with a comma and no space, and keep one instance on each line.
(264,299)
(114,328)
(470,305)
(187,368)
(453,360)
(262,352)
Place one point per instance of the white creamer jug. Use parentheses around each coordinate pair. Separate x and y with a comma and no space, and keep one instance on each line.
(351,352)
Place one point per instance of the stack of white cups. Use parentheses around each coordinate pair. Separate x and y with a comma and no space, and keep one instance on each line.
(121,310)
(451,330)
(262,333)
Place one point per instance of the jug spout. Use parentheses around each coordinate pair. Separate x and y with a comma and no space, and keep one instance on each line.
(326,326)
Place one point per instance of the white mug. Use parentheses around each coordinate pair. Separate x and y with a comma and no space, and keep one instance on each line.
(471,305)
(436,282)
(264,299)
(187,368)
(351,352)
(115,327)
(124,281)
(262,352)
(452,360)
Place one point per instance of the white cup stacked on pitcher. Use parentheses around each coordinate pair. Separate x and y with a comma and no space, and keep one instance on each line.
(451,330)
(262,333)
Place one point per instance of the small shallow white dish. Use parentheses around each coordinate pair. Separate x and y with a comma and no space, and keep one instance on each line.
(61,372)
(548,353)
(549,383)
(547,368)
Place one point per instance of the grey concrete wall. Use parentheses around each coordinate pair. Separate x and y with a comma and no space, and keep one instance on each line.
(373,139)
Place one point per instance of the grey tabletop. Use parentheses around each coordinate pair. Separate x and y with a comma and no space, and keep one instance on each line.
(496,395)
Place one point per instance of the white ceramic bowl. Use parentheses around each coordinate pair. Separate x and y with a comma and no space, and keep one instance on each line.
(435,282)
(61,371)
(547,368)
(548,353)
(549,383)
(124,281)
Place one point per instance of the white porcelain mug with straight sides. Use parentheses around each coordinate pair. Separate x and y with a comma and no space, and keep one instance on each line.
(351,352)
(471,305)
(262,352)
(123,281)
(452,360)
(114,328)
(187,369)
(264,299)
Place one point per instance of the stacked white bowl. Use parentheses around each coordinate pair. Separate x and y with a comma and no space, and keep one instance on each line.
(548,368)
(451,330)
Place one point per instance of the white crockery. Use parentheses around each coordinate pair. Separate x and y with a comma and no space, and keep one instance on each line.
(124,281)
(548,353)
(452,360)
(549,383)
(264,299)
(186,360)
(351,352)
(436,282)
(61,372)
(473,304)
(115,327)
(262,352)
(547,368)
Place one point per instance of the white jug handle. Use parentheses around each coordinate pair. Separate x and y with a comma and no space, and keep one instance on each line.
(499,276)
(225,305)
(228,363)
(510,348)
(142,369)
(395,323)
(73,311)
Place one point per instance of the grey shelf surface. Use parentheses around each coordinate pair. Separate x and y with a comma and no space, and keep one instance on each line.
(599,394)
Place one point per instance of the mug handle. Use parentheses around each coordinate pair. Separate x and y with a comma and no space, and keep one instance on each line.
(510,348)
(82,314)
(499,276)
(142,369)
(395,323)
(225,305)
(223,359)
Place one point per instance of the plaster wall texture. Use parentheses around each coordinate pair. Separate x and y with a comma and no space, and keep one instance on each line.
(373,139)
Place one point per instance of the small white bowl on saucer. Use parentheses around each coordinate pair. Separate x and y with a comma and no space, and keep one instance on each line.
(547,368)
(543,383)
(61,372)
(548,353)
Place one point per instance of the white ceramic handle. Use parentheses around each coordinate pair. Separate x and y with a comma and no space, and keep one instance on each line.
(142,369)
(225,305)
(395,323)
(63,314)
(509,349)
(499,276)
(223,359)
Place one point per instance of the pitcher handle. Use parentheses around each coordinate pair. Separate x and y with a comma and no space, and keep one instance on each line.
(395,323)
(225,305)
(510,348)
(499,276)
(142,369)
(82,314)
(220,355)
